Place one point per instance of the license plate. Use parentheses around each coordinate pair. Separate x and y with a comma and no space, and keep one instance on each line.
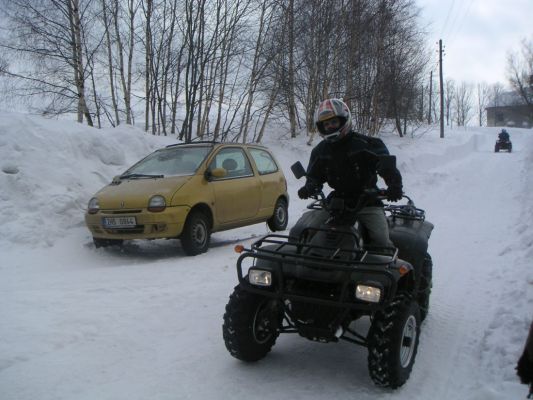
(119,222)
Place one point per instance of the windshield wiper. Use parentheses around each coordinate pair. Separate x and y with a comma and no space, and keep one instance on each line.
(140,176)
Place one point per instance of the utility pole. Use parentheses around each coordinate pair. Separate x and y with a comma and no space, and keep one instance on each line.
(441,91)
(430,94)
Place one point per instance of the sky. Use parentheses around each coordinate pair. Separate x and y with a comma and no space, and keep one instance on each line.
(477,35)
(144,321)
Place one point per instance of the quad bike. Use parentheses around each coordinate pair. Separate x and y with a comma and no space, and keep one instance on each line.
(502,144)
(321,281)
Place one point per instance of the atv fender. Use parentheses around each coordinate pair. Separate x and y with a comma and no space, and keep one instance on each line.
(309,219)
(411,237)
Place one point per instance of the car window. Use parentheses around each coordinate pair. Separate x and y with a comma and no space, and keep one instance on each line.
(264,161)
(171,161)
(234,161)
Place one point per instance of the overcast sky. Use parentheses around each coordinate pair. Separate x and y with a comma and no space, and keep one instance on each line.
(477,35)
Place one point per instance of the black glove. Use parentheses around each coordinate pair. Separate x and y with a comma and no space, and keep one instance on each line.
(394,193)
(303,192)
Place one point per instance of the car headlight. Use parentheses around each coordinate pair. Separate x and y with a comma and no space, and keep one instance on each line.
(372,294)
(260,277)
(93,207)
(157,204)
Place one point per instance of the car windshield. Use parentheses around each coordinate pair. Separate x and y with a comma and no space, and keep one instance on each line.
(170,161)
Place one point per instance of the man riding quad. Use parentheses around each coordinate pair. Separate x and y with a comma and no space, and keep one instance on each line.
(347,161)
(503,142)
(330,273)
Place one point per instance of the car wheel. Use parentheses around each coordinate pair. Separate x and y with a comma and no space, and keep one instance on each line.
(250,326)
(107,242)
(393,342)
(280,218)
(196,234)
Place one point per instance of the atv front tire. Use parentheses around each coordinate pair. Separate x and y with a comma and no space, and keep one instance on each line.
(426,283)
(393,342)
(251,325)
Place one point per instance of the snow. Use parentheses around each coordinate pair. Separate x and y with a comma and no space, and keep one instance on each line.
(145,322)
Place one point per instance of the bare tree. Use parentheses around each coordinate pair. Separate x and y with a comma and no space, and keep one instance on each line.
(463,103)
(49,36)
(291,48)
(496,92)
(107,23)
(449,94)
(483,92)
(520,72)
(230,64)
(125,43)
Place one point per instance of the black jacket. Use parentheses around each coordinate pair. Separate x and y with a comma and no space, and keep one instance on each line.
(348,168)
(503,136)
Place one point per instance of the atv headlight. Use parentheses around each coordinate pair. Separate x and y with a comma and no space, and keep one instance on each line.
(259,277)
(368,293)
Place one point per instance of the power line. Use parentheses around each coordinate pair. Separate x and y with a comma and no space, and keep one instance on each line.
(447,17)
(460,20)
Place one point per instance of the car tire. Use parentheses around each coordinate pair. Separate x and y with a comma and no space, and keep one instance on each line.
(196,233)
(251,325)
(280,218)
(107,242)
(393,342)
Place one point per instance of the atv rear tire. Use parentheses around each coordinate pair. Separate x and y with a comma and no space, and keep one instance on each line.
(426,283)
(393,342)
(251,325)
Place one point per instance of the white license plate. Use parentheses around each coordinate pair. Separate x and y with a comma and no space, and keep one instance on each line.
(119,222)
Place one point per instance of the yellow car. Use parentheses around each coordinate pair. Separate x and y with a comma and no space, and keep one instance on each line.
(188,191)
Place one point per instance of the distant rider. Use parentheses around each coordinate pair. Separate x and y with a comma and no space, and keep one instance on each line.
(341,161)
(524,368)
(503,136)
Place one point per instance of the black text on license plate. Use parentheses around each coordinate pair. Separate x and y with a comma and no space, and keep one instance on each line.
(119,222)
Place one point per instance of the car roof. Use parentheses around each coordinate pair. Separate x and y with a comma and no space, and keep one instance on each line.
(217,144)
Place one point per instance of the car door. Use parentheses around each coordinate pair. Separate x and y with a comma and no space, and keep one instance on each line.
(271,178)
(238,194)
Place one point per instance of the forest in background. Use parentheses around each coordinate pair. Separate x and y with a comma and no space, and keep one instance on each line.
(223,69)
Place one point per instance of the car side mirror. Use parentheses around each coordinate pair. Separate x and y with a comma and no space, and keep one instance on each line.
(215,173)
(116,180)
(298,170)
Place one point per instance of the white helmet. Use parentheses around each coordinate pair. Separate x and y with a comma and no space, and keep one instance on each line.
(333,108)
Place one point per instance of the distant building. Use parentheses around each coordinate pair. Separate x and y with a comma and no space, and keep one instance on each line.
(510,110)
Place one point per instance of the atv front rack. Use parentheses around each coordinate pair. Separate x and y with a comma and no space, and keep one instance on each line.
(283,254)
(339,257)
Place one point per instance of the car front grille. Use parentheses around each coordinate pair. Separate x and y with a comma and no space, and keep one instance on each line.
(126,231)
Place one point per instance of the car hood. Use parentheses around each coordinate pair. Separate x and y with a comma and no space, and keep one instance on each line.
(135,193)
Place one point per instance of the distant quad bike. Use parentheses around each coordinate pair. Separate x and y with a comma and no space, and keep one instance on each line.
(320,281)
(502,144)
